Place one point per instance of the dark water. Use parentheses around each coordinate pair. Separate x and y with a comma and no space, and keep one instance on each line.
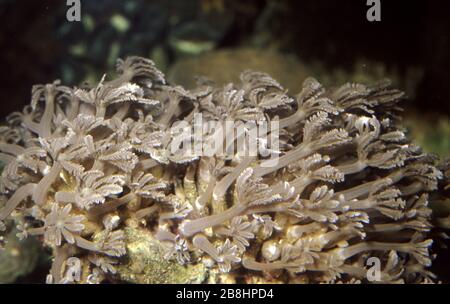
(38,44)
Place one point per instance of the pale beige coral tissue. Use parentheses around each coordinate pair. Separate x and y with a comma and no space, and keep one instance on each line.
(85,165)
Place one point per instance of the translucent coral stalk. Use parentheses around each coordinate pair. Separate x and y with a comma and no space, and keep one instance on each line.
(272,165)
(73,108)
(222,186)
(100,110)
(296,231)
(146,211)
(418,250)
(122,112)
(191,227)
(11,149)
(40,193)
(292,119)
(365,188)
(352,168)
(203,199)
(18,196)
(148,163)
(31,125)
(85,244)
(65,197)
(361,204)
(413,188)
(6,158)
(202,243)
(164,235)
(166,117)
(399,226)
(253,265)
(112,205)
(61,254)
(300,183)
(46,120)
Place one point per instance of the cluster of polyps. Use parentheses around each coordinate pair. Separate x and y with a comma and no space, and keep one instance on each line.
(225,138)
(81,164)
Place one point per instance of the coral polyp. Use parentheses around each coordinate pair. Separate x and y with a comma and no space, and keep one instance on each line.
(92,173)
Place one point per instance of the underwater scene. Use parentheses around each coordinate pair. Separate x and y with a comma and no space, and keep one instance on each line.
(224,142)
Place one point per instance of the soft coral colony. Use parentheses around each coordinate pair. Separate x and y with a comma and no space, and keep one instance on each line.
(82,164)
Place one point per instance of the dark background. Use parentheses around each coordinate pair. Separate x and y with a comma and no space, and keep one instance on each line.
(32,49)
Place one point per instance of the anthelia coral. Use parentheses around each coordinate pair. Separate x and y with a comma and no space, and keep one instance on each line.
(84,164)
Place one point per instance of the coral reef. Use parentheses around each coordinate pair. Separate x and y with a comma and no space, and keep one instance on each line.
(91,172)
